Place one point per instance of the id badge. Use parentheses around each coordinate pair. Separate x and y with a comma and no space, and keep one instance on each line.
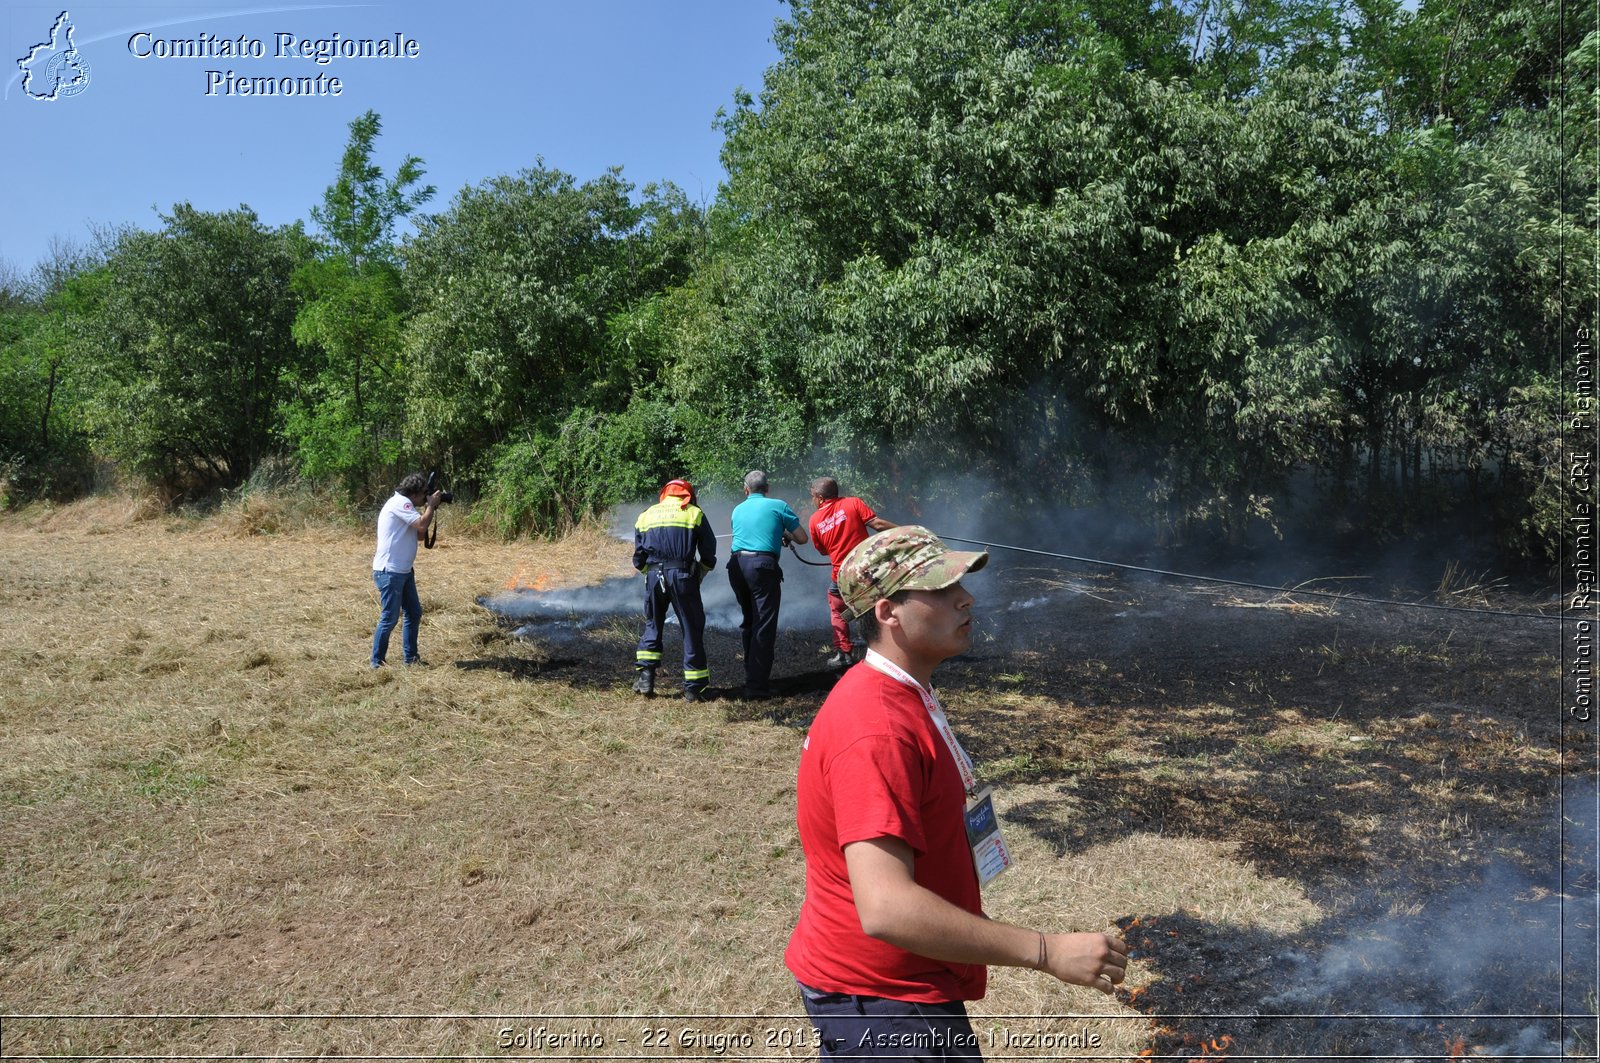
(989,853)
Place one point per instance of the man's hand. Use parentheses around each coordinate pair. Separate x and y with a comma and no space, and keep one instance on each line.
(1099,961)
(433,499)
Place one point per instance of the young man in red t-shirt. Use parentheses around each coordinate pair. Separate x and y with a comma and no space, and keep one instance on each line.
(838,526)
(892,939)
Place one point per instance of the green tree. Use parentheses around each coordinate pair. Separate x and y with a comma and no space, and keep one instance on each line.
(45,347)
(902,174)
(195,325)
(516,286)
(1216,246)
(346,417)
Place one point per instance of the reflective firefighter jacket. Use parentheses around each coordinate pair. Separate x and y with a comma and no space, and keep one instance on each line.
(672,535)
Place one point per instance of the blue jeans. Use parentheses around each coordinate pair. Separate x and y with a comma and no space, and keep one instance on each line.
(857,1026)
(397,594)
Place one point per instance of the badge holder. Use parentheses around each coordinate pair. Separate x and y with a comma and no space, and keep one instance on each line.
(989,853)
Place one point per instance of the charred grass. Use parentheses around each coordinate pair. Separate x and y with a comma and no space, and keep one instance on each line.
(213,808)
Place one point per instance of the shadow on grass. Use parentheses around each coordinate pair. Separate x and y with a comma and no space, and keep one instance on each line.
(520,667)
(794,702)
(1300,798)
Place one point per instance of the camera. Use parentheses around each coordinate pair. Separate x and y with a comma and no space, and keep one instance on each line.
(433,485)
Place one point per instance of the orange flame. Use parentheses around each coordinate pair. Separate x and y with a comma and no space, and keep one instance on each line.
(1216,1048)
(1456,1048)
(541,582)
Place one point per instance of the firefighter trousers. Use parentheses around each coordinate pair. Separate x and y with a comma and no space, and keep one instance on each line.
(680,589)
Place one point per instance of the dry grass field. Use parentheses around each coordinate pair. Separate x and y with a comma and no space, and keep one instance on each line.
(222,834)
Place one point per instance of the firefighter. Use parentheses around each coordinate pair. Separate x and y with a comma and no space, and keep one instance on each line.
(673,548)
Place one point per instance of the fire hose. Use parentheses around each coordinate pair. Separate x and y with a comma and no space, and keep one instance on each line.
(1337,596)
(1255,586)
(803,561)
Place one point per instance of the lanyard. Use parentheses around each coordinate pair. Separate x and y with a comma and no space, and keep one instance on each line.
(969,776)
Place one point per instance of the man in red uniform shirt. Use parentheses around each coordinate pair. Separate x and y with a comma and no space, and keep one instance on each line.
(838,526)
(892,939)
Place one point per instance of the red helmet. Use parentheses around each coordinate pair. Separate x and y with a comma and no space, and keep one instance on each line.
(679,489)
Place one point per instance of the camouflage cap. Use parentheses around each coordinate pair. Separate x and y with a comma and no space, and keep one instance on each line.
(907,558)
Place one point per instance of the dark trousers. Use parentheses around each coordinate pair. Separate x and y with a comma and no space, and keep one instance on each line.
(875,1026)
(757,582)
(680,589)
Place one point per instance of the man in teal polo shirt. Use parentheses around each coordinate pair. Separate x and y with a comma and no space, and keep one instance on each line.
(761,527)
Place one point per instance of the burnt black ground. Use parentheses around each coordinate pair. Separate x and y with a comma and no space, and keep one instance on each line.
(1412,770)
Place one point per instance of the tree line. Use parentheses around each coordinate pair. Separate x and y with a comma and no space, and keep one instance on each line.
(1208,262)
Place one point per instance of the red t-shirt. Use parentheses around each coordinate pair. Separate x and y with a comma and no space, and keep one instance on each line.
(873,766)
(838,526)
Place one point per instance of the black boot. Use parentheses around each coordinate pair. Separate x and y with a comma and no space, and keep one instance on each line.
(646,682)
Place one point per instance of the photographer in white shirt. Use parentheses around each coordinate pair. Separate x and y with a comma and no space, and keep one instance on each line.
(401,524)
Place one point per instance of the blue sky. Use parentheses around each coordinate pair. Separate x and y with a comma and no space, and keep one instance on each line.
(584,84)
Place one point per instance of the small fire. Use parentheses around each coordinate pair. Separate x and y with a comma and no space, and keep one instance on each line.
(1214,1048)
(519,582)
(1457,1048)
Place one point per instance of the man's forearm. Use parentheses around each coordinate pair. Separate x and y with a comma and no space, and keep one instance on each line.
(920,921)
(894,908)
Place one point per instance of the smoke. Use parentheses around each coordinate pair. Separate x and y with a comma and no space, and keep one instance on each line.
(564,613)
(558,612)
(1028,604)
(1498,956)
(1046,484)
(1484,949)
(1503,959)
(1007,591)
(1025,491)
(968,511)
